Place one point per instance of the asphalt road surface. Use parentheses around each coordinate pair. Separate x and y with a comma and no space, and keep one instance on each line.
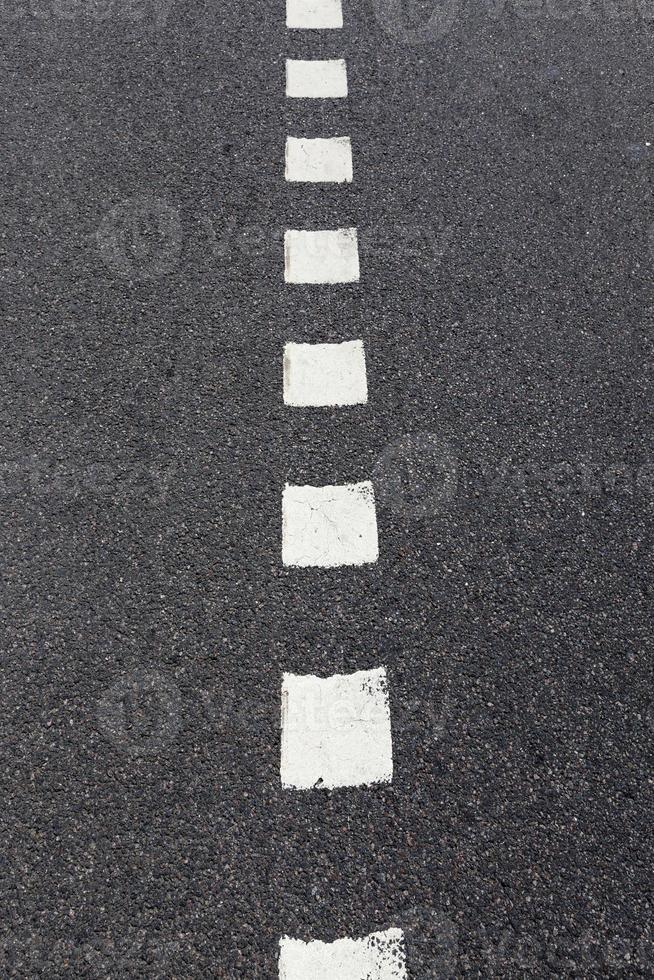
(502,157)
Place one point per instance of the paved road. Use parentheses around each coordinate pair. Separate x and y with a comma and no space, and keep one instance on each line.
(502,194)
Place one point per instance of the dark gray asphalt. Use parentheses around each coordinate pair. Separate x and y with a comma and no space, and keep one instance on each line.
(502,191)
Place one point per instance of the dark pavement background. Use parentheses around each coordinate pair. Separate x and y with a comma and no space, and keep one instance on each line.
(503,198)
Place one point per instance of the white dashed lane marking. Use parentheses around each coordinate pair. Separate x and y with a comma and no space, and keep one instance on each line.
(336,731)
(321,257)
(316,79)
(326,527)
(319,161)
(319,375)
(314,14)
(379,956)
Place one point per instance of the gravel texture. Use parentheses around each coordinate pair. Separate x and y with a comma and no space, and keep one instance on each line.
(502,191)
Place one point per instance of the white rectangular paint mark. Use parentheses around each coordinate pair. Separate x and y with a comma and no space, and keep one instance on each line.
(336,731)
(314,14)
(327,527)
(321,256)
(379,956)
(316,79)
(319,161)
(318,375)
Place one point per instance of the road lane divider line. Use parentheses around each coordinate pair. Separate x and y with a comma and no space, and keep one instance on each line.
(325,375)
(321,257)
(318,160)
(335,731)
(378,956)
(316,79)
(327,527)
(314,14)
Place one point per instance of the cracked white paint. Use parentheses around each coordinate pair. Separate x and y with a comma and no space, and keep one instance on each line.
(329,526)
(321,256)
(319,375)
(316,79)
(314,14)
(319,161)
(336,731)
(378,956)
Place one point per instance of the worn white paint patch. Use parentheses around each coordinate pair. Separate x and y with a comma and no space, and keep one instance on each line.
(314,14)
(321,256)
(336,731)
(319,161)
(316,79)
(325,374)
(379,956)
(329,526)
